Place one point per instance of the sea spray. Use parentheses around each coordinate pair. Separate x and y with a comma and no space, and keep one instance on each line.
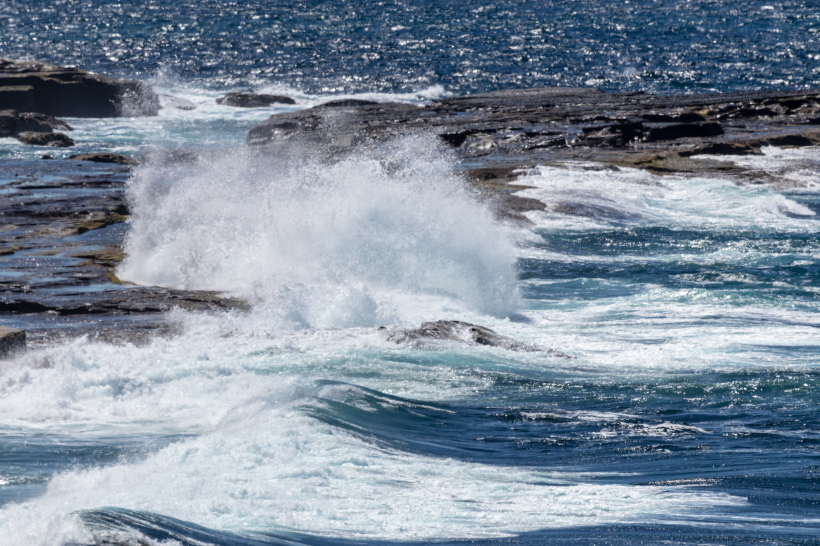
(317,242)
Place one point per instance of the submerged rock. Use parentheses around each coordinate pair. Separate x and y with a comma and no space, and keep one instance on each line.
(431,334)
(55,140)
(253,100)
(34,86)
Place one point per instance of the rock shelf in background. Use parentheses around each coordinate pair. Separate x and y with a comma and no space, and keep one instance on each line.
(521,128)
(34,86)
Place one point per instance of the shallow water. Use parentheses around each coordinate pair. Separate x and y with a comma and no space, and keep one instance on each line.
(688,409)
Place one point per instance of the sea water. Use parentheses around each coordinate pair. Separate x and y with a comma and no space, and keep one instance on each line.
(685,409)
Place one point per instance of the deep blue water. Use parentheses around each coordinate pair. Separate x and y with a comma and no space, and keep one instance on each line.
(685,410)
(465,46)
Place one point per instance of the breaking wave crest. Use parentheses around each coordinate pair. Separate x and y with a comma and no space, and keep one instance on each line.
(322,243)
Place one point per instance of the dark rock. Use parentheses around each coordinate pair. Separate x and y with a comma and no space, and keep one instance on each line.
(346,103)
(455,139)
(12,123)
(325,124)
(744,113)
(104,158)
(546,142)
(536,123)
(790,141)
(616,136)
(11,341)
(431,334)
(253,100)
(458,138)
(508,206)
(724,148)
(674,117)
(47,156)
(55,140)
(683,130)
(70,290)
(33,86)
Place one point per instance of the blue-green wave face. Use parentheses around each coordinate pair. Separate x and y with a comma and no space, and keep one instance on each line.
(680,402)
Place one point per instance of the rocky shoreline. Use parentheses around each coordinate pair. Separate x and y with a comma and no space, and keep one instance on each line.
(62,222)
(494,134)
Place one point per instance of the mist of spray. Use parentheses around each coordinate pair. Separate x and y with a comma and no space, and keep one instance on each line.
(319,243)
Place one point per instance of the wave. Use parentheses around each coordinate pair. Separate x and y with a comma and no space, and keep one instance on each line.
(317,243)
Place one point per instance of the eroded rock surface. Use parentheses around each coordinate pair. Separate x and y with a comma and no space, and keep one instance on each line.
(34,86)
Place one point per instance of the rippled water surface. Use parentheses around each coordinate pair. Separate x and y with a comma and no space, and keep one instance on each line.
(465,46)
(681,406)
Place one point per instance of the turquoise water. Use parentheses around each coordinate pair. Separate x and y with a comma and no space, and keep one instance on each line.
(686,413)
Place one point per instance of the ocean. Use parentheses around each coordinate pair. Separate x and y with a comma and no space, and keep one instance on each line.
(680,402)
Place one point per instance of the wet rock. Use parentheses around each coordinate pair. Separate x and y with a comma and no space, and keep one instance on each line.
(745,113)
(683,130)
(724,148)
(34,86)
(346,103)
(674,117)
(55,140)
(12,123)
(616,136)
(790,141)
(104,158)
(321,124)
(527,127)
(431,334)
(64,284)
(253,100)
(12,341)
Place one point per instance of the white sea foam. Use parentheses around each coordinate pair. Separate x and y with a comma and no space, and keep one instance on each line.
(348,243)
(800,165)
(583,197)
(639,326)
(257,462)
